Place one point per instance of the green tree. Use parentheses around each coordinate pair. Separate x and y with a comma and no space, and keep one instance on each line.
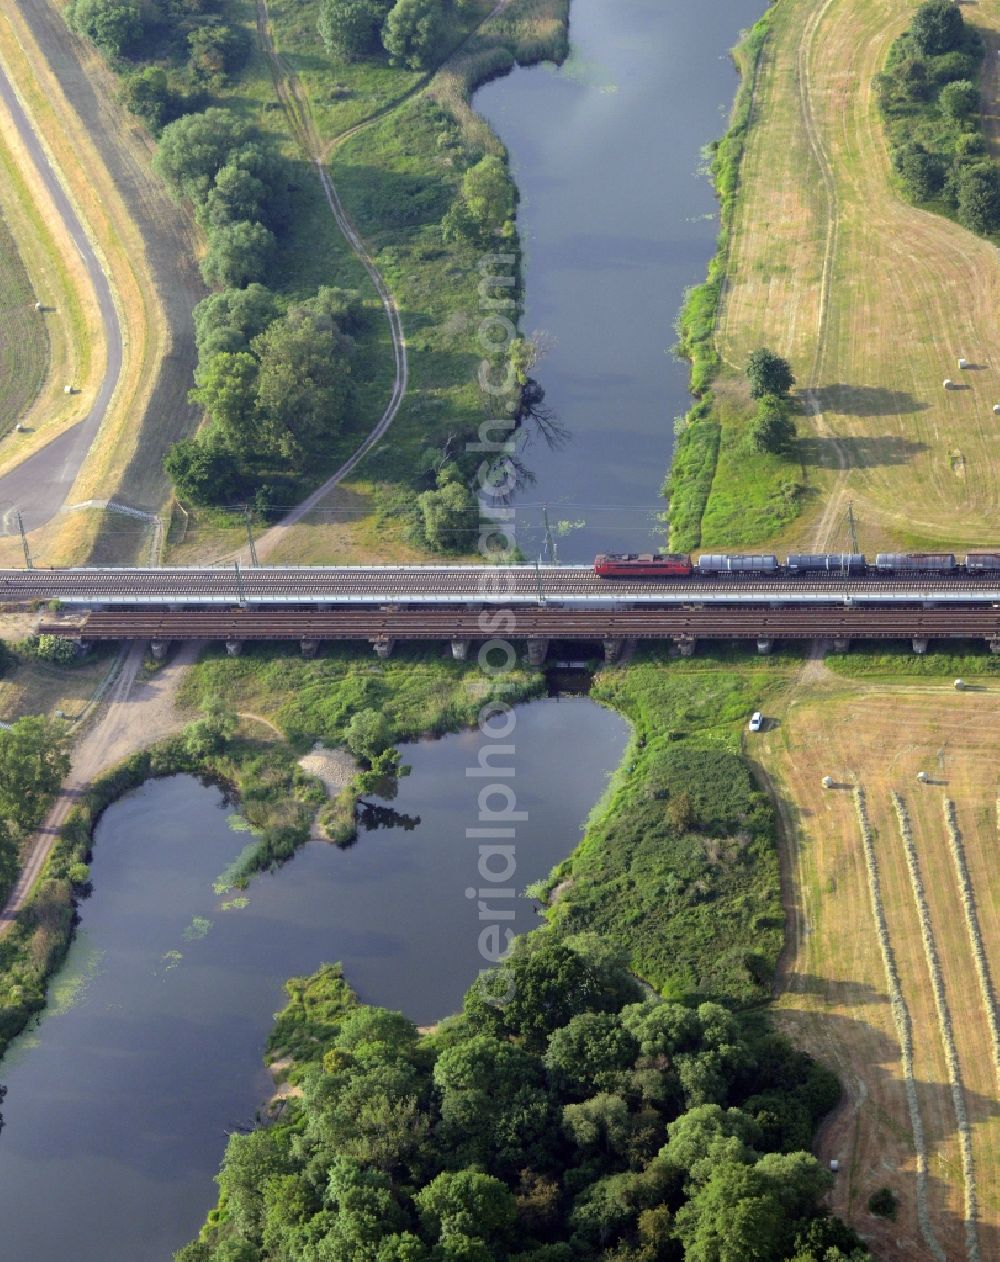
(590,1053)
(979,197)
(465,1202)
(113,25)
(217,49)
(772,429)
(922,173)
(937,27)
(768,373)
(304,380)
(249,1162)
(367,734)
(227,390)
(540,987)
(238,253)
(959,99)
(146,93)
(34,760)
(450,514)
(350,29)
(230,320)
(485,205)
(193,149)
(203,472)
(413,33)
(236,195)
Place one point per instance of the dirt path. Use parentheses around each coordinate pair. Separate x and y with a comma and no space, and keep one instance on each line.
(136,714)
(296,107)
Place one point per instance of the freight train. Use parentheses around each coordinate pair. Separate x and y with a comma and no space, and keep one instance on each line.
(849,564)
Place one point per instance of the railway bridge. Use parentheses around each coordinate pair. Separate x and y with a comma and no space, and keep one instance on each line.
(529,605)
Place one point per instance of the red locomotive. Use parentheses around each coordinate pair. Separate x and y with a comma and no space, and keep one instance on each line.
(642,565)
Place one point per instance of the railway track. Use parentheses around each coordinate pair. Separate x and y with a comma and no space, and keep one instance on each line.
(456,585)
(595,624)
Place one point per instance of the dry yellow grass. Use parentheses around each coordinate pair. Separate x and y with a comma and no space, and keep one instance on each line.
(75,335)
(833,993)
(872,299)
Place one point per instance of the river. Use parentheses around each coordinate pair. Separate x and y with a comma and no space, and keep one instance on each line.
(616,221)
(120,1099)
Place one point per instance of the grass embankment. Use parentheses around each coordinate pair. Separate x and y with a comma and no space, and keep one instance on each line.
(40,351)
(31,685)
(872,301)
(122,249)
(834,999)
(24,343)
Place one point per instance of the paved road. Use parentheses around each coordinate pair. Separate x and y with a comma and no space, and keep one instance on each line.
(39,485)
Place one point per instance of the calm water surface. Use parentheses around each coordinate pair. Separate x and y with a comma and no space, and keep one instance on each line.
(616,222)
(120,1101)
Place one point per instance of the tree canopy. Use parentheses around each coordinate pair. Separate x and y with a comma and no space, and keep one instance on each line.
(413,32)
(113,25)
(560,1131)
(937,27)
(768,373)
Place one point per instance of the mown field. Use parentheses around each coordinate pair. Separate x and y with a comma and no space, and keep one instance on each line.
(871,299)
(836,985)
(24,348)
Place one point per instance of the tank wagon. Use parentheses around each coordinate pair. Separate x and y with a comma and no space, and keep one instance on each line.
(737,563)
(796,564)
(976,562)
(826,562)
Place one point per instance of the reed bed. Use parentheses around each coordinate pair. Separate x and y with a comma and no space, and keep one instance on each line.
(945,1027)
(904,1026)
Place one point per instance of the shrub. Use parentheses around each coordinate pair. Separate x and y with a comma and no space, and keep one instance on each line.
(883,1203)
(957,100)
(978,191)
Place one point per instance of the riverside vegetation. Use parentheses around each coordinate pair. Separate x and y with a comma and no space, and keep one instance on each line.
(720,433)
(293,366)
(550,1129)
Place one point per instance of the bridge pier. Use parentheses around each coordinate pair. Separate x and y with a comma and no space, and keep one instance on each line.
(613,650)
(158,648)
(841,644)
(383,647)
(995,644)
(764,645)
(309,647)
(234,647)
(685,645)
(536,650)
(460,650)
(919,644)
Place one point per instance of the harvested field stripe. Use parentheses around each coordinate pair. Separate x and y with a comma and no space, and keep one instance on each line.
(901,1017)
(945,1026)
(957,848)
